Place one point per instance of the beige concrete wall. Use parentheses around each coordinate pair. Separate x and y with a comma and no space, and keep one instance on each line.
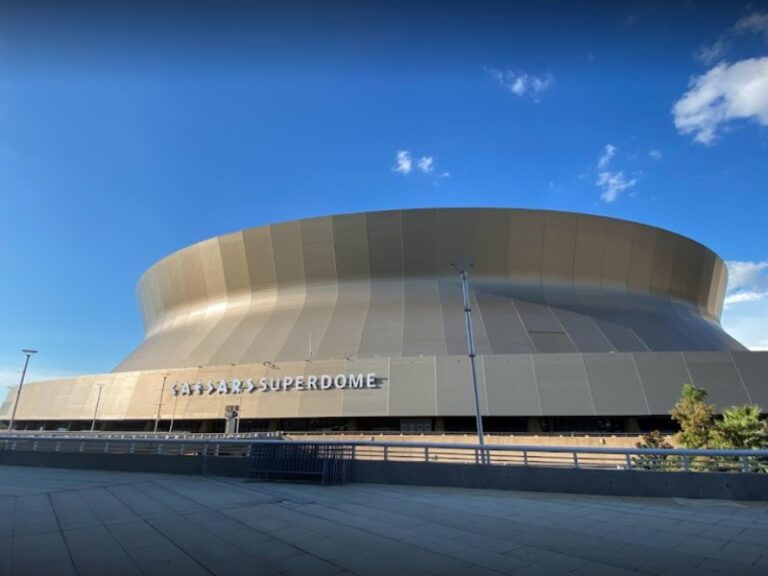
(643,383)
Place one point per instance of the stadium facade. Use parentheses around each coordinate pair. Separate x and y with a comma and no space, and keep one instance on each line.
(355,322)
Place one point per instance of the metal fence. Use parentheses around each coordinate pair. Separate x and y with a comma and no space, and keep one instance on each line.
(670,460)
(325,463)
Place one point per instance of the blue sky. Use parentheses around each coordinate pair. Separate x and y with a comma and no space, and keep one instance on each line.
(128,133)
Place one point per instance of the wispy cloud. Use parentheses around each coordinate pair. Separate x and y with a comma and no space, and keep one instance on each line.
(751,23)
(522,83)
(711,53)
(726,92)
(553,187)
(754,23)
(740,297)
(611,182)
(655,154)
(609,151)
(426,164)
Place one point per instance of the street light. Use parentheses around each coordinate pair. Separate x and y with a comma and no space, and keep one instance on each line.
(173,414)
(96,408)
(21,384)
(240,398)
(461,268)
(160,401)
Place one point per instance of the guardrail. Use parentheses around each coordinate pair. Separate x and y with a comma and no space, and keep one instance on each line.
(86,434)
(346,433)
(669,460)
(395,433)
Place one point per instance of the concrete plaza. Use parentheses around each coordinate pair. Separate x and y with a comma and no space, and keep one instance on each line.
(57,521)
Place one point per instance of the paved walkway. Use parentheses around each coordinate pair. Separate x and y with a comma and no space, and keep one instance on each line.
(55,522)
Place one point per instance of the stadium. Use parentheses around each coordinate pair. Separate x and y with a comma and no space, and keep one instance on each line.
(355,322)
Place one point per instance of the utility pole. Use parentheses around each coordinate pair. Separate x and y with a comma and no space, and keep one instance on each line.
(21,385)
(462,270)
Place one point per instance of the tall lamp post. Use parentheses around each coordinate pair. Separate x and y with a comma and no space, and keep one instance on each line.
(173,414)
(160,402)
(21,385)
(96,408)
(461,268)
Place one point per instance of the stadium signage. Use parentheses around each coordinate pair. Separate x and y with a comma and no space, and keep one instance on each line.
(359,381)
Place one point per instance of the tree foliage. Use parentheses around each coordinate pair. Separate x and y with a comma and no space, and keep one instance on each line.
(741,427)
(657,441)
(695,417)
(654,439)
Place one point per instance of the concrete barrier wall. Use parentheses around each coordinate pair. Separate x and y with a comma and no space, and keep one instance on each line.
(211,465)
(538,479)
(714,485)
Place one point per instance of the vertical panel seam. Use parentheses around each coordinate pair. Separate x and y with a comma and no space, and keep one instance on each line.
(741,378)
(536,384)
(640,381)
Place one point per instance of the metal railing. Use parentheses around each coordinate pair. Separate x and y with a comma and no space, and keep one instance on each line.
(468,433)
(596,458)
(176,435)
(326,463)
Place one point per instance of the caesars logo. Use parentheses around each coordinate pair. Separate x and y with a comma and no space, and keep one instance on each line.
(322,382)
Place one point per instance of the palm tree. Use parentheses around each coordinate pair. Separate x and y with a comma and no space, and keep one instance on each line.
(741,427)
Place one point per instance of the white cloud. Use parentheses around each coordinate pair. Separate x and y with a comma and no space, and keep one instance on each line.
(745,316)
(748,323)
(655,154)
(522,83)
(727,91)
(426,164)
(740,297)
(403,162)
(611,183)
(724,93)
(748,276)
(747,282)
(608,153)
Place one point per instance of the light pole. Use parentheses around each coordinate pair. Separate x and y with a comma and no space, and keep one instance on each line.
(10,387)
(96,408)
(173,414)
(240,398)
(21,385)
(462,270)
(160,401)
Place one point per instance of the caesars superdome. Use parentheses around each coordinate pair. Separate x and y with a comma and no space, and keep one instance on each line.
(356,322)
